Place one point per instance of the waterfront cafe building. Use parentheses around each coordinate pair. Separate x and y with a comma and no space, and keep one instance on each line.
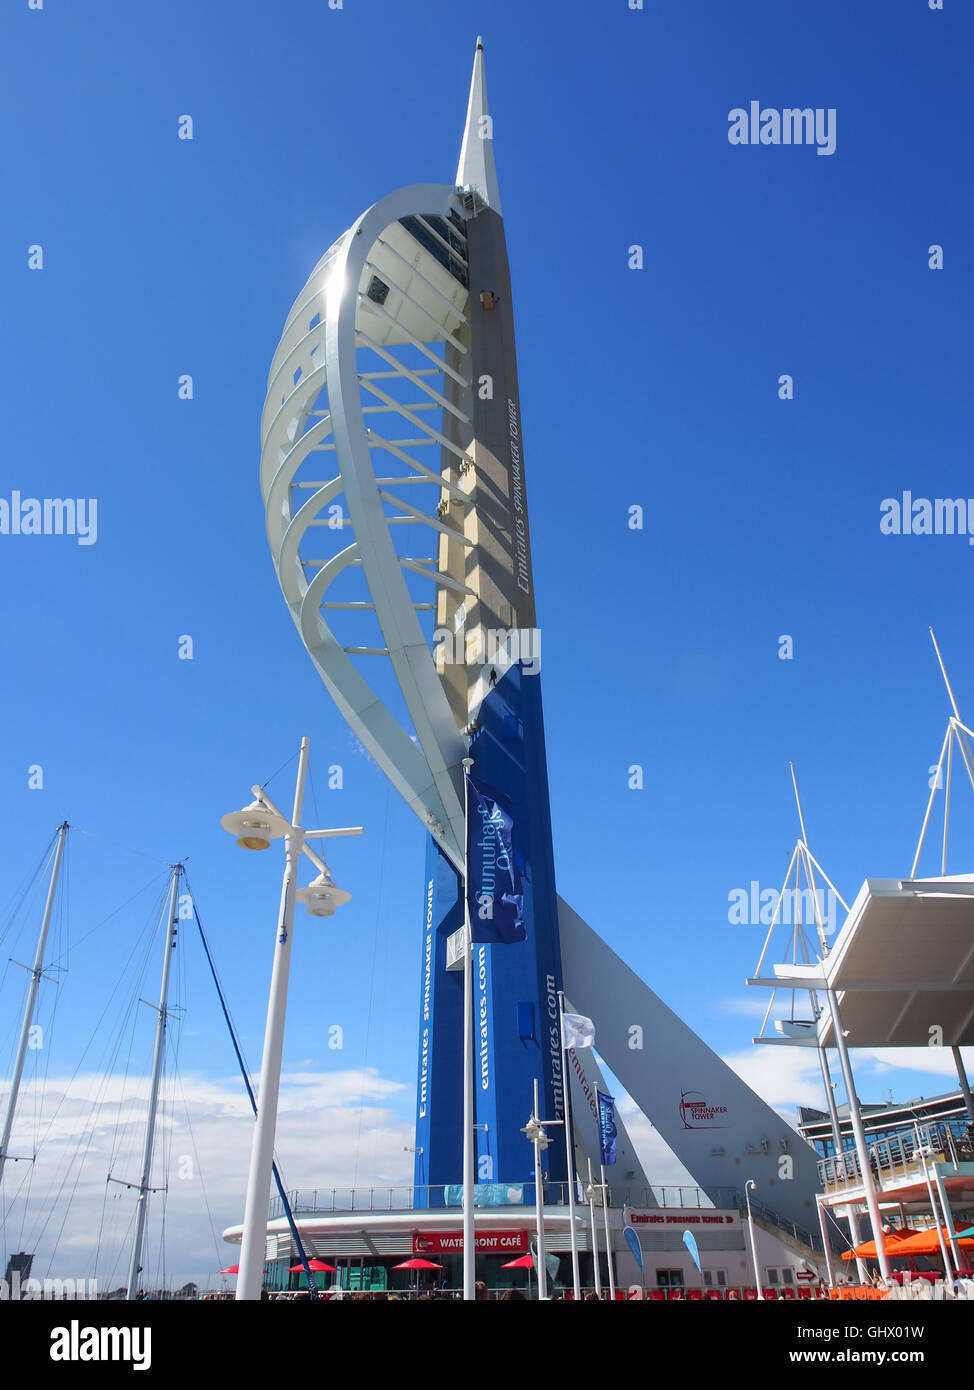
(365,1233)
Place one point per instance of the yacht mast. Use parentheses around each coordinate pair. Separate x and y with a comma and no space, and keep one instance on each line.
(36,975)
(162,1019)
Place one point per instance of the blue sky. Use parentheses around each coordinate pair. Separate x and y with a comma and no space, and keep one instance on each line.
(656,387)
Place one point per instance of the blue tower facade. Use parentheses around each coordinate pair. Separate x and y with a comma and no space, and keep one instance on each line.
(516,1024)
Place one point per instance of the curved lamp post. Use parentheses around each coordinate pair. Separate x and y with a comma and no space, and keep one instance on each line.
(254,828)
(750,1226)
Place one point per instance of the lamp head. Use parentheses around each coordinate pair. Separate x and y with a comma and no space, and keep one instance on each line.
(321,896)
(255,826)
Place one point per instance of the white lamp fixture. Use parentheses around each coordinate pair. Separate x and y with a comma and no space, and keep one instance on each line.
(255,826)
(321,896)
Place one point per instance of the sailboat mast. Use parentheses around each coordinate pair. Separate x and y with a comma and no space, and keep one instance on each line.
(36,975)
(157,1058)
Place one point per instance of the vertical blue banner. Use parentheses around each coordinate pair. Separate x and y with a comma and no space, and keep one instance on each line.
(607,1128)
(494,895)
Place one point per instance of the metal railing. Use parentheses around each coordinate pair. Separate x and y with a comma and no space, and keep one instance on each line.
(309,1201)
(895,1157)
(799,1233)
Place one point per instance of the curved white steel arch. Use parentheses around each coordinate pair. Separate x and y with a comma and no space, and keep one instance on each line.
(332,318)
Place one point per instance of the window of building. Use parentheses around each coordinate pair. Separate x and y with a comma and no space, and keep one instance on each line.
(669,1278)
(715,1278)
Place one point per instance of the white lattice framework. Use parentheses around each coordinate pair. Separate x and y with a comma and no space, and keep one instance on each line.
(359,379)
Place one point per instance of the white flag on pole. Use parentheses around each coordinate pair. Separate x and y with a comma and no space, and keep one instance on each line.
(577,1030)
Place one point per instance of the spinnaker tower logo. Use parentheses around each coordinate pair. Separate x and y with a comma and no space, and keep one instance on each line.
(697,1114)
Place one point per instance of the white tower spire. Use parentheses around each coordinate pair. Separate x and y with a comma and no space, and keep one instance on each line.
(476,168)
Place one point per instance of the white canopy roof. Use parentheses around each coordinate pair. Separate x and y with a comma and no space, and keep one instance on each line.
(902,966)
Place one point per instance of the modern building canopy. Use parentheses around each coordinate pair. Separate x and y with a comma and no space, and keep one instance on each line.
(902,966)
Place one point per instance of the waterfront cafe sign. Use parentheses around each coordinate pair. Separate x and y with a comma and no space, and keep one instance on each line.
(487,1243)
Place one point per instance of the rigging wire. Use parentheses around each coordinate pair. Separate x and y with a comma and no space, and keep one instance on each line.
(265,785)
(89,1118)
(17,901)
(372,973)
(275,1169)
(62,936)
(170,1072)
(199,1170)
(12,933)
(158,917)
(24,1188)
(103,839)
(114,913)
(314,794)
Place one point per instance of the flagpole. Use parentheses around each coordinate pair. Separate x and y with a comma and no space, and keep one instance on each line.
(608,1240)
(570,1157)
(469,1228)
(595,1239)
(541,1267)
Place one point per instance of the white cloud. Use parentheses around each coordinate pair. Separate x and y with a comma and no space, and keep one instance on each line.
(782,1076)
(334,1130)
(743,1006)
(660,1163)
(933,1061)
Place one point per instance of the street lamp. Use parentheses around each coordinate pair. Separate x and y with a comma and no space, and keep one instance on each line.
(253,828)
(750,1226)
(321,896)
(534,1131)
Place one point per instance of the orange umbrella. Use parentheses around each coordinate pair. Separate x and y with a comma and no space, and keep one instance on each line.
(927,1242)
(892,1244)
